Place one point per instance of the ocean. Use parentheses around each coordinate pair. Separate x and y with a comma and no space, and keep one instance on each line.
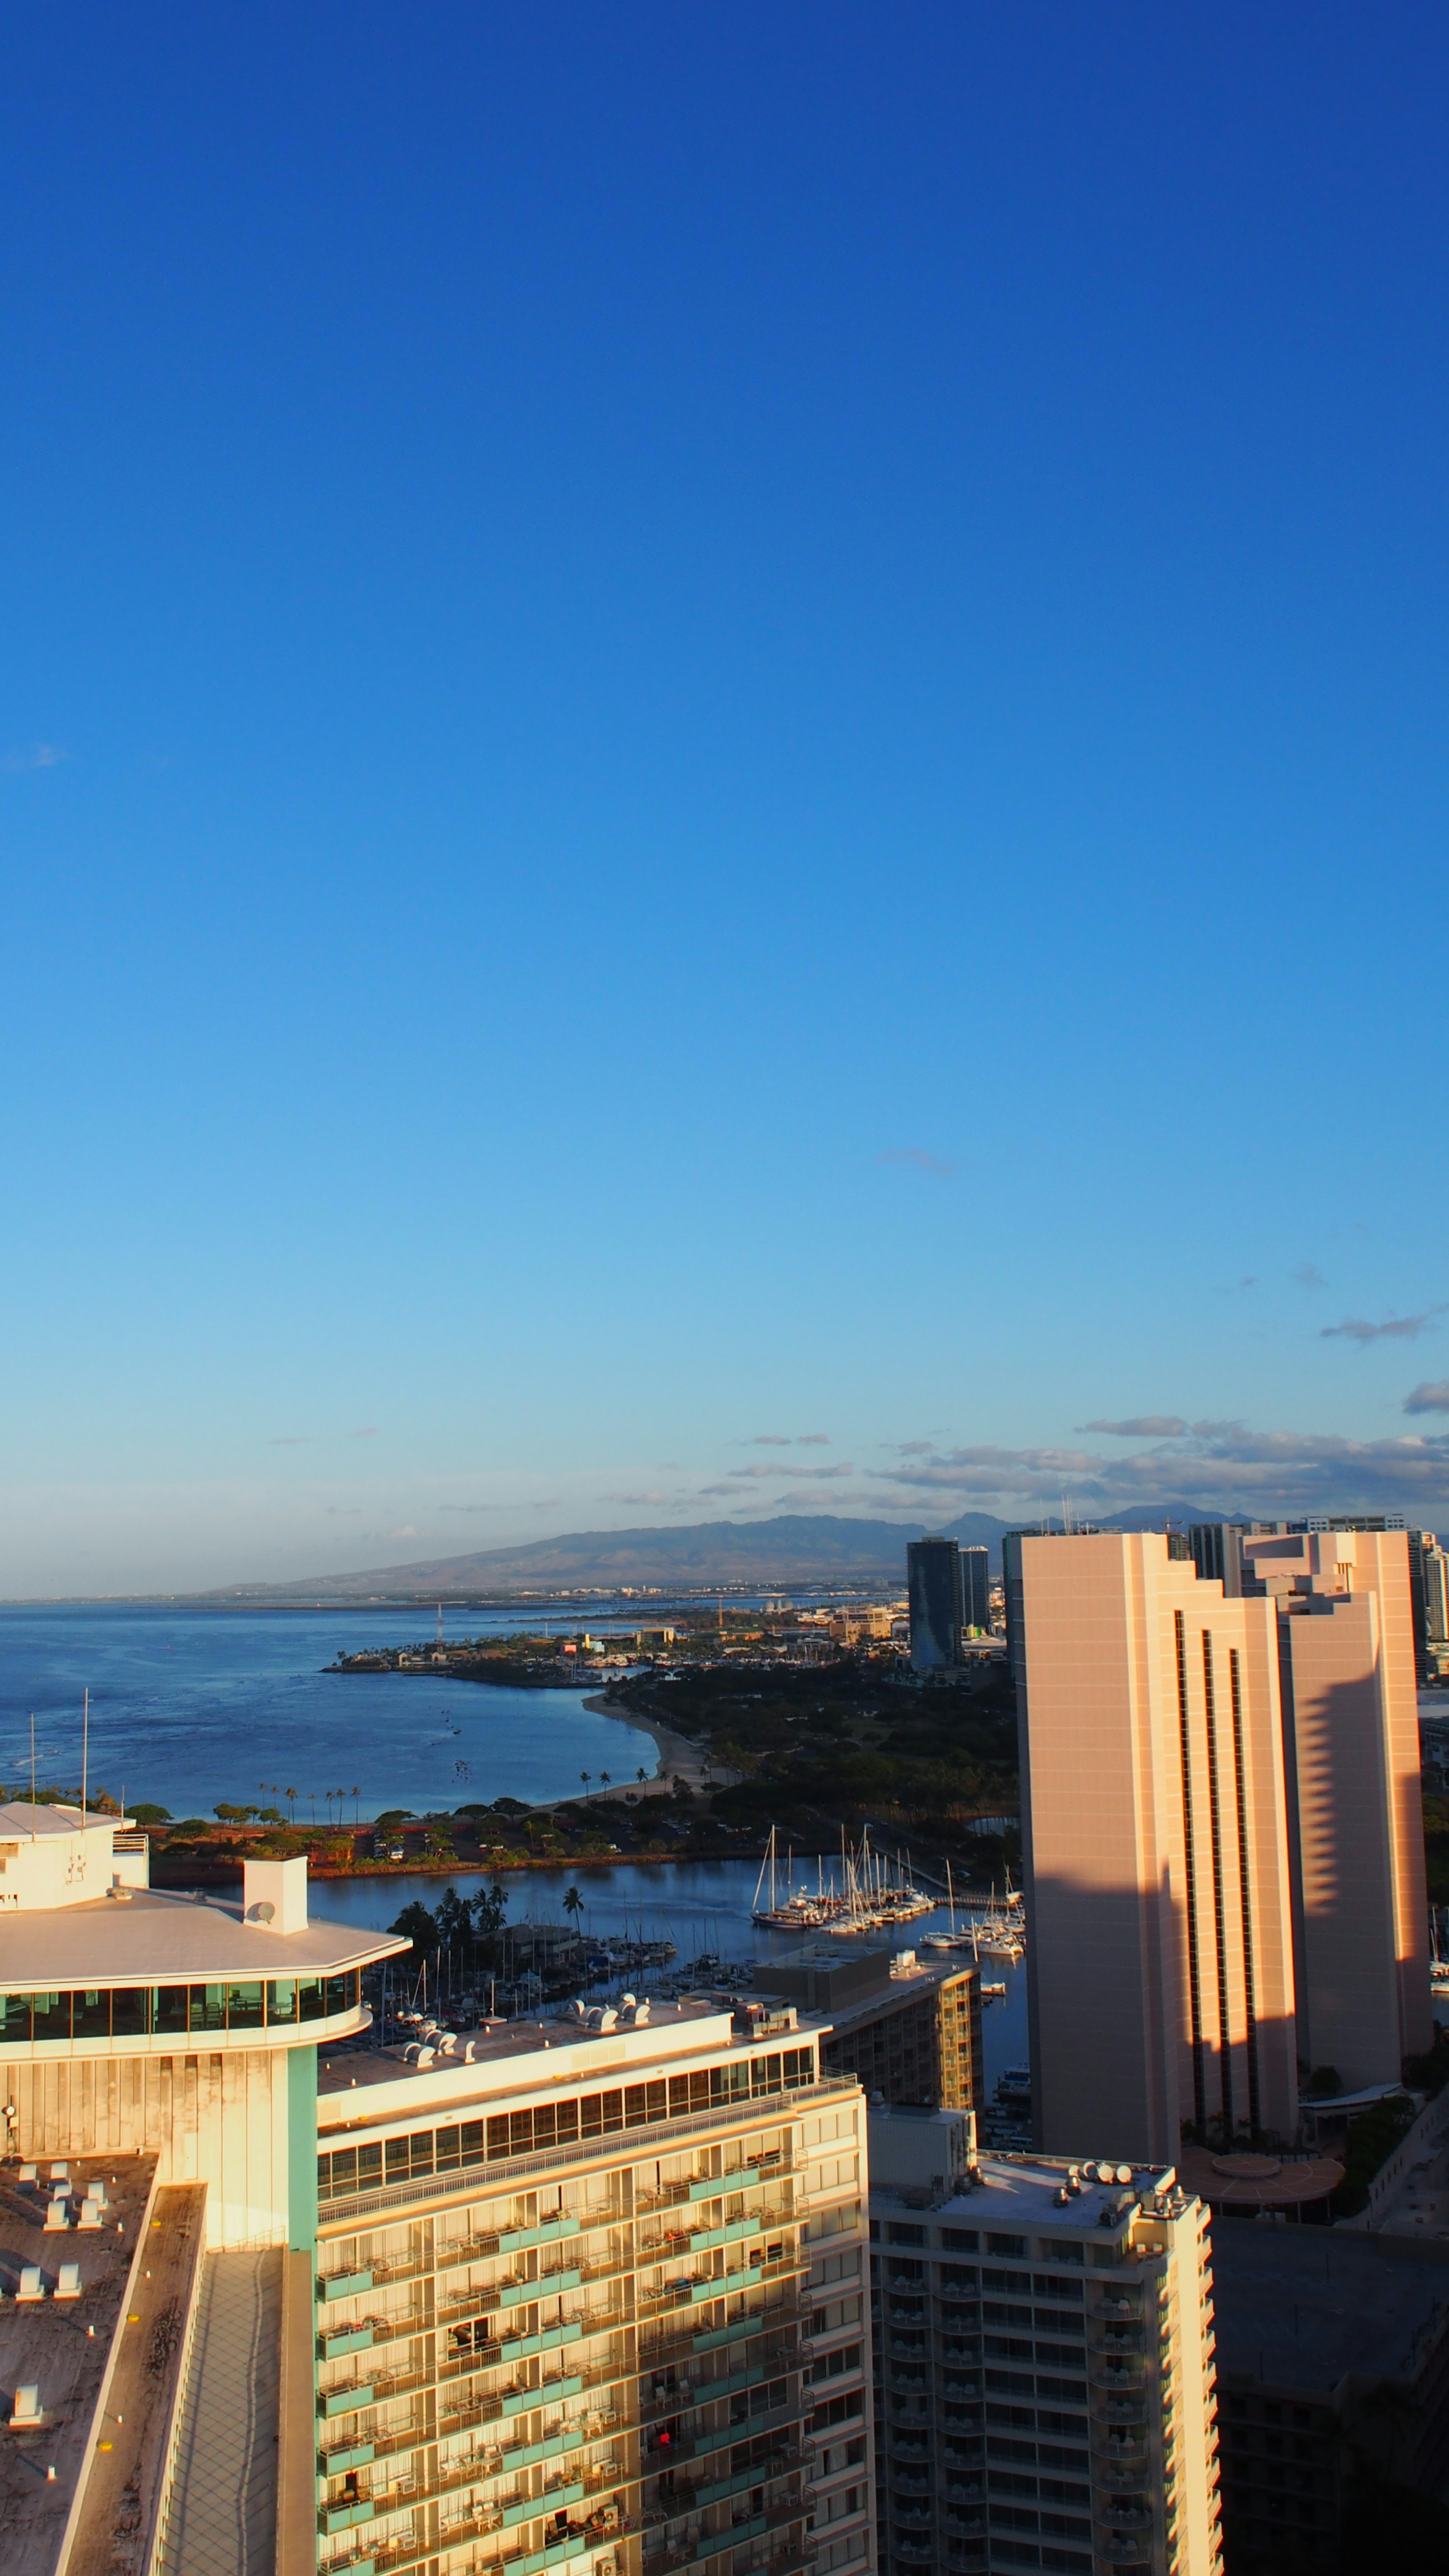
(189,1706)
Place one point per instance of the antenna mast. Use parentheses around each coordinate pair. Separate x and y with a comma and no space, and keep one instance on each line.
(85,1752)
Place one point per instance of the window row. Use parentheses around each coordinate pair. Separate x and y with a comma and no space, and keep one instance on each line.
(174,2012)
(559,2124)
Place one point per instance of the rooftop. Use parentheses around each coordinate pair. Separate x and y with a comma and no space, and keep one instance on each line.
(46,2345)
(562,2049)
(1303,2307)
(151,1936)
(18,1819)
(1019,2194)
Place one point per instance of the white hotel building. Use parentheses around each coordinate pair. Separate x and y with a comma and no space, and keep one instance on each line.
(563,2294)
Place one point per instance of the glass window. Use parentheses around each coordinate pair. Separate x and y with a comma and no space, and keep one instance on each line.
(337,1995)
(244,2005)
(50,2016)
(170,2009)
(128,2012)
(208,2007)
(311,1999)
(14,2017)
(343,2175)
(369,2166)
(282,1999)
(91,2014)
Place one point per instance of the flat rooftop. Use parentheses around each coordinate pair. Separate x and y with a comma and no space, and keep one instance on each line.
(1016,2195)
(156,1937)
(1303,2307)
(47,2346)
(500,2046)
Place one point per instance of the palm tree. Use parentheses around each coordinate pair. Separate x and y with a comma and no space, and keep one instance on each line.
(604,1778)
(292,1802)
(573,1905)
(357,1793)
(586,1777)
(641,1775)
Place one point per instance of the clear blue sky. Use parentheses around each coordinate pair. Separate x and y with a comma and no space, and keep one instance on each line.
(719,724)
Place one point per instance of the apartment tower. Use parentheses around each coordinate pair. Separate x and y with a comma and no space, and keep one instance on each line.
(1222,1826)
(593,2298)
(1156,1833)
(1045,2382)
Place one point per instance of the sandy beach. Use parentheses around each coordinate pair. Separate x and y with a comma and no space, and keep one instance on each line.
(679,1756)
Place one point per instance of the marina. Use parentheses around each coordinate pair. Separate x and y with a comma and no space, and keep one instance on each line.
(873,1893)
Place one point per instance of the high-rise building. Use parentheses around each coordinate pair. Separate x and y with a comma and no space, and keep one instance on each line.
(1222,1832)
(1044,2363)
(907,2029)
(1355,1820)
(1435,1564)
(583,2293)
(933,1583)
(1333,2377)
(158,2067)
(976,1588)
(594,2299)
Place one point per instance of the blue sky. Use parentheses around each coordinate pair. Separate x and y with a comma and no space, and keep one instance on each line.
(721,727)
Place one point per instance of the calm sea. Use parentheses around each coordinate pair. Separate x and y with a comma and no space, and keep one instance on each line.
(189,1706)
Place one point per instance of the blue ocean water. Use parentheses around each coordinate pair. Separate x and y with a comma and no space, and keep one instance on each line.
(192,1705)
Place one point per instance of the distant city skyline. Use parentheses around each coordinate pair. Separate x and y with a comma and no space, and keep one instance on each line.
(721,770)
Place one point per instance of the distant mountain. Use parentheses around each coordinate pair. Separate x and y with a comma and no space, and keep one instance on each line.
(794,1547)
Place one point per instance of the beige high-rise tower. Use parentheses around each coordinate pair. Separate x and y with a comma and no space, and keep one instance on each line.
(1155,1820)
(1223,1837)
(1356,1826)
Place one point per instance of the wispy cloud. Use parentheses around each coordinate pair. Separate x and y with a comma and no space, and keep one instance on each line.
(1431,1397)
(368,1432)
(789,1440)
(1231,1287)
(647,1502)
(1305,1276)
(1217,1466)
(474,1507)
(940,1167)
(1396,1328)
(41,755)
(737,1482)
(1141,1426)
(343,1511)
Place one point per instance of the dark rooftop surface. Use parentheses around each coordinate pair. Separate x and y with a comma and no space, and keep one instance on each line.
(1300,2307)
(46,2345)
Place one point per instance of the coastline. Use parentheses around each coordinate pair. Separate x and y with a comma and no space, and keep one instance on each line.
(678,1755)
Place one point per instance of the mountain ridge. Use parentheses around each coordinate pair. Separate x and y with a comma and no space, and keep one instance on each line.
(789,1547)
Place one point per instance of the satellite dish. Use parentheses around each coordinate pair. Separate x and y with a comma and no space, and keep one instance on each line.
(261,1912)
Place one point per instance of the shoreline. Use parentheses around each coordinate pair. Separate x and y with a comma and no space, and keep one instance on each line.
(678,1755)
